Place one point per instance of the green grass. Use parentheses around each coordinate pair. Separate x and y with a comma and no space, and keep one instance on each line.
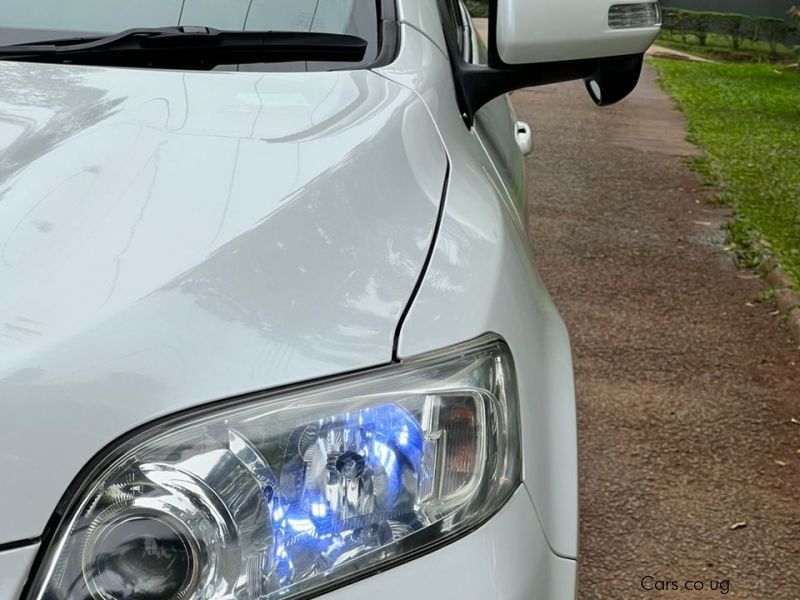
(718,47)
(747,118)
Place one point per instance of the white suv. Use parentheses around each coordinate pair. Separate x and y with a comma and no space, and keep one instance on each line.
(270,326)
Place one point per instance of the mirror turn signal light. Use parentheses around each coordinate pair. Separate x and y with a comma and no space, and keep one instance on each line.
(634,16)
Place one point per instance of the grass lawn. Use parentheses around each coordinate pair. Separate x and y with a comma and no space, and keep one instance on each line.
(747,118)
(718,47)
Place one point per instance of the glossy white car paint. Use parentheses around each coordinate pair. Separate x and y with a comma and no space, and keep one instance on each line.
(423,16)
(14,567)
(507,559)
(553,30)
(202,281)
(524,136)
(481,265)
(169,239)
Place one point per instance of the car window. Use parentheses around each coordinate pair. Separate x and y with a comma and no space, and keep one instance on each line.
(26,21)
(455,21)
(110,16)
(470,45)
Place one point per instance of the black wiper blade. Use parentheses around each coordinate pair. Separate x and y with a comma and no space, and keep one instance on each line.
(192,48)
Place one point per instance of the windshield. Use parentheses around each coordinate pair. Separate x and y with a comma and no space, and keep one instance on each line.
(27,21)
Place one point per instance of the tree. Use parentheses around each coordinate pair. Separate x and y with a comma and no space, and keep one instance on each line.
(773,31)
(794,13)
(671,20)
(734,25)
(698,23)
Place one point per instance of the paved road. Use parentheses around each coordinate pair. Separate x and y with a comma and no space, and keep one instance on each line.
(685,392)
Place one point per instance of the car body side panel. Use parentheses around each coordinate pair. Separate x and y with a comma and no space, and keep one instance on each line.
(423,15)
(495,125)
(506,559)
(481,264)
(14,568)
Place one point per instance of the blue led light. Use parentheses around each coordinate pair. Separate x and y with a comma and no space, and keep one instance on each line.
(345,481)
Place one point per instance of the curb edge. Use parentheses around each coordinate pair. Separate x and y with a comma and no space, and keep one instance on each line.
(787,298)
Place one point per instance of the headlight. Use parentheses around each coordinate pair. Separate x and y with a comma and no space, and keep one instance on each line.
(284,495)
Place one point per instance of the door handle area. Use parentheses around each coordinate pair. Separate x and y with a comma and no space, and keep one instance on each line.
(524,136)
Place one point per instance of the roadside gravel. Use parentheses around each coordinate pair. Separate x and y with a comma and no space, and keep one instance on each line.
(687,388)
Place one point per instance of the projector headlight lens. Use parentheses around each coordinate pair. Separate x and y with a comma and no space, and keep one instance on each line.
(138,557)
(279,495)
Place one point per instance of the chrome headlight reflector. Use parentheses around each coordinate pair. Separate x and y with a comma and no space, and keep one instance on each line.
(289,494)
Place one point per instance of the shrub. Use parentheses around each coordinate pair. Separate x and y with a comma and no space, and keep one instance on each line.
(679,21)
(733,25)
(794,13)
(773,31)
(697,23)
(671,20)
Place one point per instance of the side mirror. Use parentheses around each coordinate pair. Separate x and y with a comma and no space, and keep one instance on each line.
(539,31)
(537,42)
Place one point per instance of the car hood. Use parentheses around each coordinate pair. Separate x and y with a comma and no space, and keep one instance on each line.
(169,239)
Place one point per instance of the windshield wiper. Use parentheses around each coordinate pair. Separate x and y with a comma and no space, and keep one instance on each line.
(191,48)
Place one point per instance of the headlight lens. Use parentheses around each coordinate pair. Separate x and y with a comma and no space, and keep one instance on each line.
(280,495)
